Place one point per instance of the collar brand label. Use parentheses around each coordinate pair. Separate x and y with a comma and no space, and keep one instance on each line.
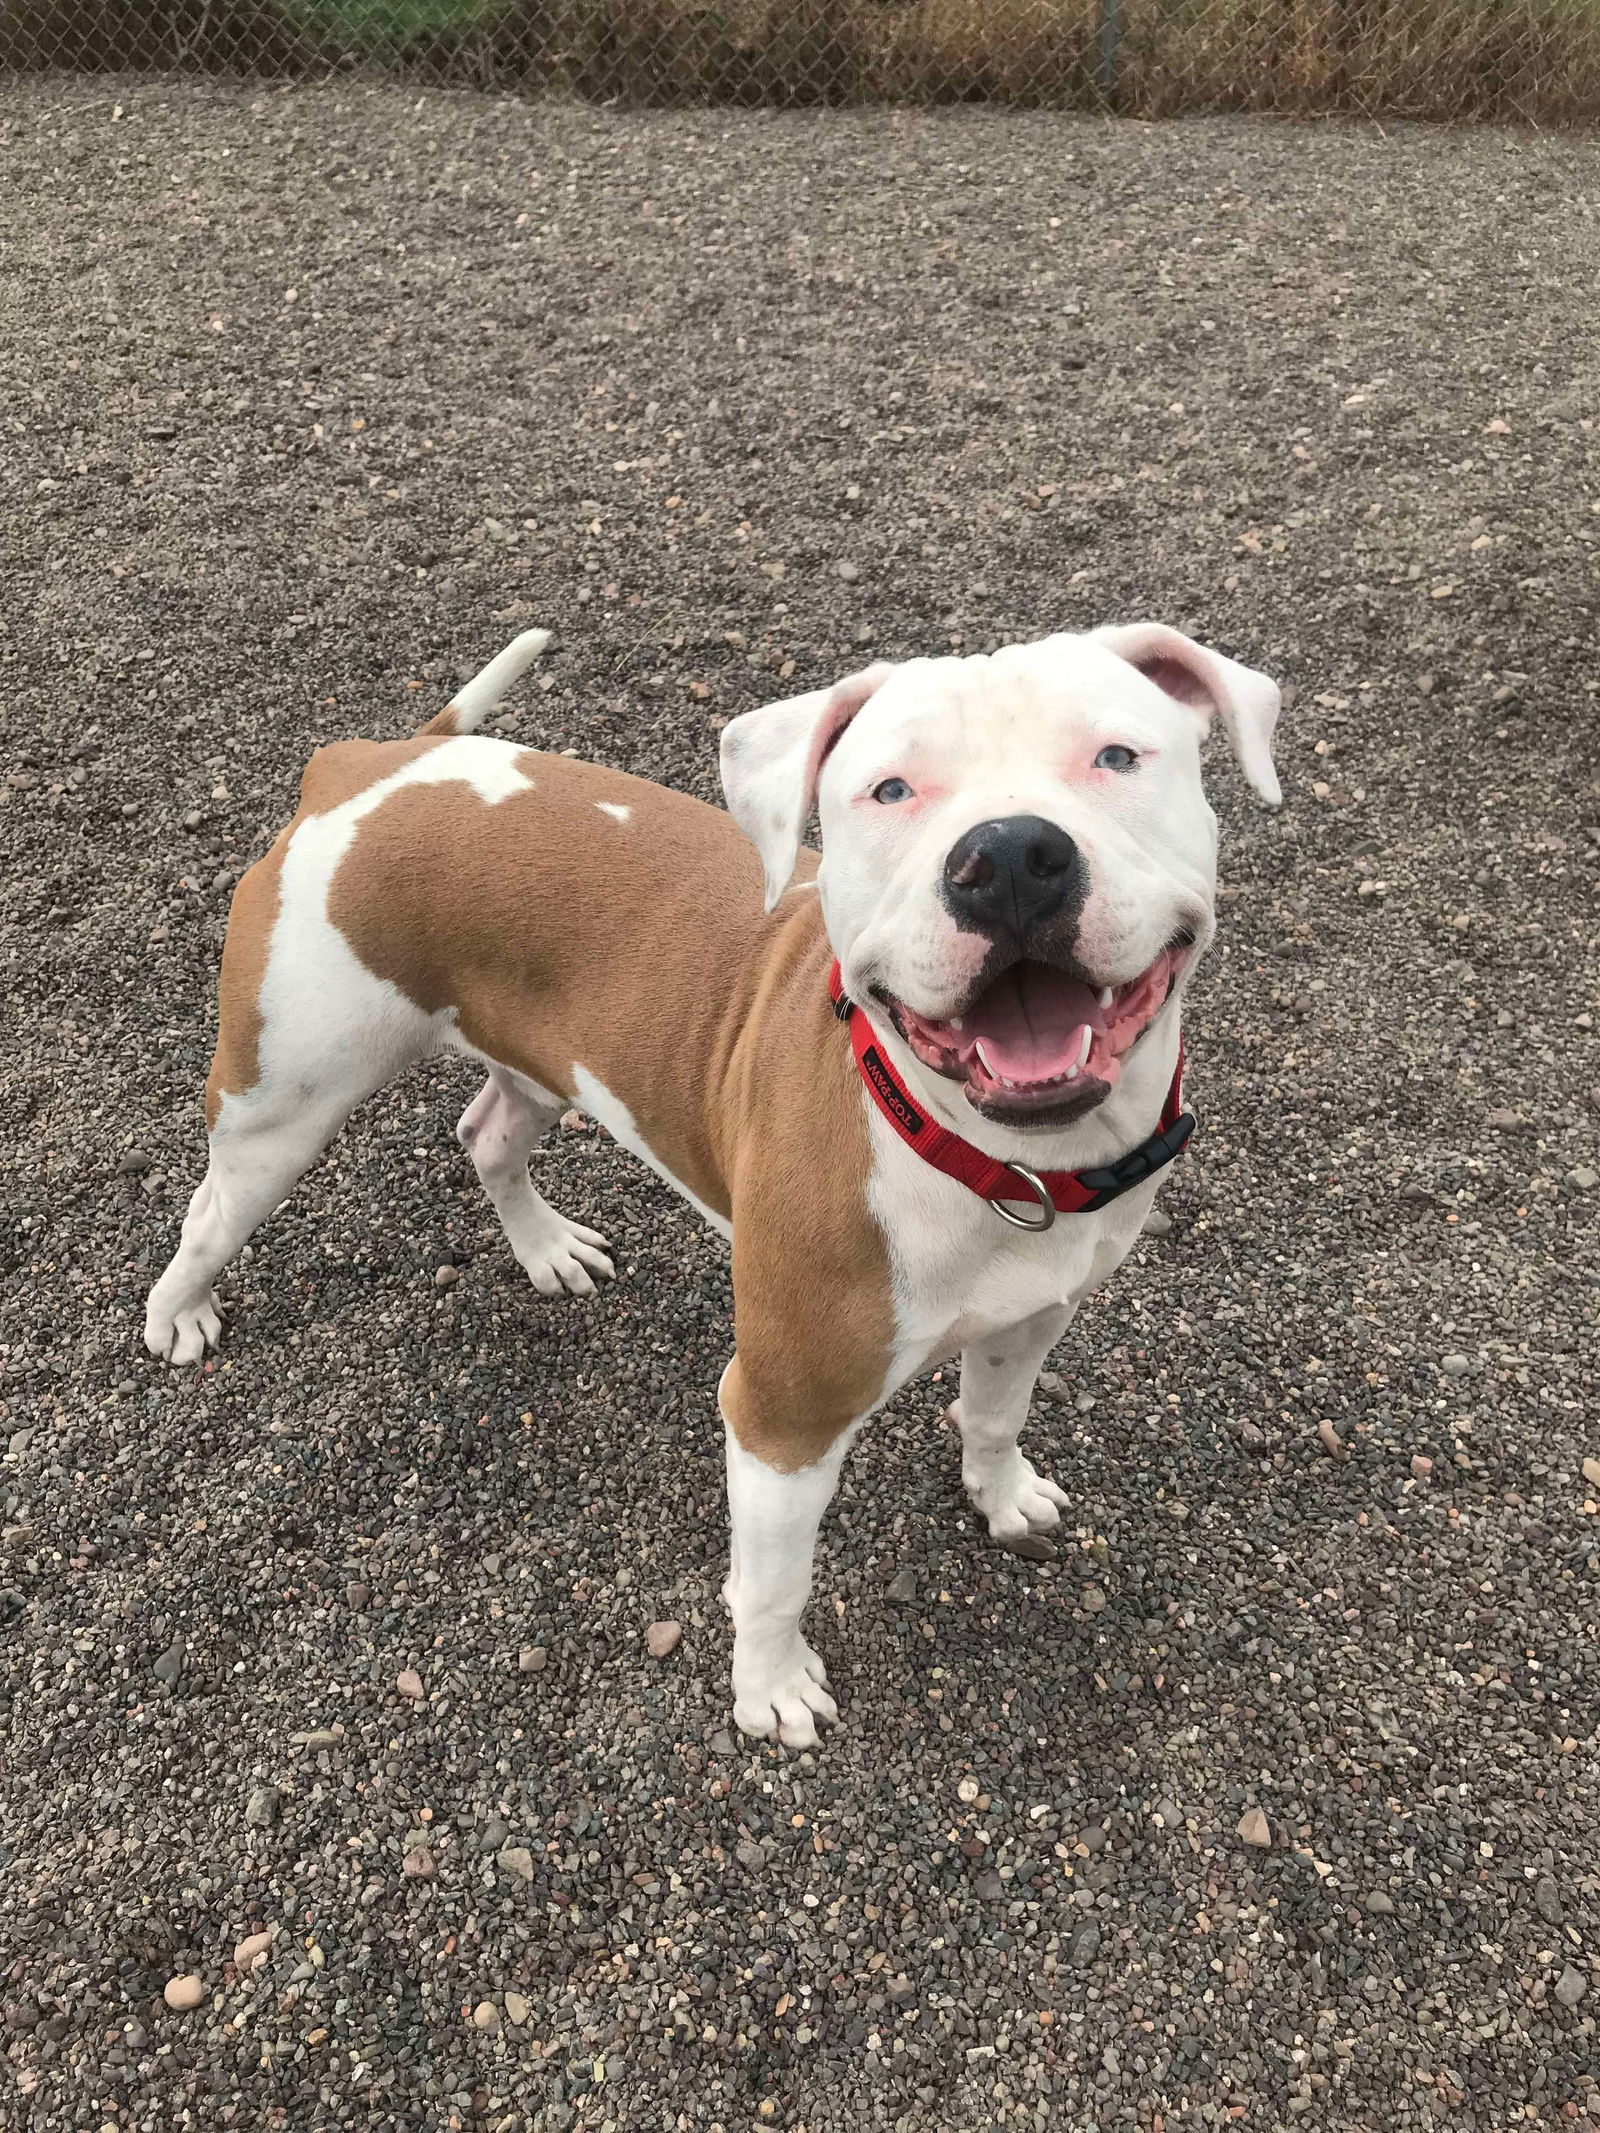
(889,1093)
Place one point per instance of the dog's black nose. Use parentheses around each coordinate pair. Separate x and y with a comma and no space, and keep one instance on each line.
(1007,875)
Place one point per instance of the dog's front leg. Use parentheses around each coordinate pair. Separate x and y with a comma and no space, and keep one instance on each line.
(780,1685)
(1019,1504)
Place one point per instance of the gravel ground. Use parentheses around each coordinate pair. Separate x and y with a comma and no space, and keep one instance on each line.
(1274,1797)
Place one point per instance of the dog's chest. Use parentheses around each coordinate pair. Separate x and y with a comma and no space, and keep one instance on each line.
(960,1272)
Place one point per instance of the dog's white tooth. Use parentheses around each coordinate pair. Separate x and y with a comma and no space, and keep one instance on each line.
(983,1060)
(1088,1045)
(1105,998)
(957,1024)
(1072,1073)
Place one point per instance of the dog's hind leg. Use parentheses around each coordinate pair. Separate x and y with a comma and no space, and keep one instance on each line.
(259,1152)
(499,1130)
(304,1035)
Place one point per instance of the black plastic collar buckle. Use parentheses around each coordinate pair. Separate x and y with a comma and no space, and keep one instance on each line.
(1138,1164)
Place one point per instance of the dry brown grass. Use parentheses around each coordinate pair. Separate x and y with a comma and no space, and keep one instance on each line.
(1529,60)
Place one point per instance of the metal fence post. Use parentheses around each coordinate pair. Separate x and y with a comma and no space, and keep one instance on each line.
(1107,49)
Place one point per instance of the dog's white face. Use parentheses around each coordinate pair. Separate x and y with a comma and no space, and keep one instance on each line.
(1018,859)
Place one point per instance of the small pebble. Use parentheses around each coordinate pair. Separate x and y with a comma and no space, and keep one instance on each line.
(1584,1178)
(1456,1366)
(1421,1465)
(486,2015)
(516,2009)
(1255,1829)
(409,1682)
(1379,1902)
(417,1865)
(133,1163)
(1571,1986)
(662,1637)
(253,1950)
(182,1993)
(531,1659)
(902,1587)
(1158,1223)
(517,1861)
(447,1277)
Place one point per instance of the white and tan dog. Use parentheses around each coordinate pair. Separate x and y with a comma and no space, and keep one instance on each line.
(1016,884)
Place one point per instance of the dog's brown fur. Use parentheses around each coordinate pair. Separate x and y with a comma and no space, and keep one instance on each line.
(639,950)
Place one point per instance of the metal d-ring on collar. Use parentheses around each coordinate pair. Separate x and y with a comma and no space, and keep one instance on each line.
(1036,1185)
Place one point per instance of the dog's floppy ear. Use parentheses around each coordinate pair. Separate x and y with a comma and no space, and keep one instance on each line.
(772,760)
(1206,683)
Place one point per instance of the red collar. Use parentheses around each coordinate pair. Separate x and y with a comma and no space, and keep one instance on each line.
(1051,1192)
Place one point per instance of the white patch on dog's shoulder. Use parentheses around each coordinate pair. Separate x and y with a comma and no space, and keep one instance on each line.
(592,1095)
(614,809)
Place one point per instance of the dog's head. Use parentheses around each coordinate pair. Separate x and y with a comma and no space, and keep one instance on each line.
(1019,862)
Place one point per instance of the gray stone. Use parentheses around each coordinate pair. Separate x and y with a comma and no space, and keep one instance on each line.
(261,1809)
(517,1861)
(1547,1901)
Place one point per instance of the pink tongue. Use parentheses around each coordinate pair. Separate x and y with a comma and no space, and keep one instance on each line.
(1028,1023)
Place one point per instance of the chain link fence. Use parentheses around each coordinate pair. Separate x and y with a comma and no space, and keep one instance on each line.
(1531,61)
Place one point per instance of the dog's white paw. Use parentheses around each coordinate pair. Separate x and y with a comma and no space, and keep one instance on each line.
(181,1335)
(1020,1505)
(783,1698)
(562,1258)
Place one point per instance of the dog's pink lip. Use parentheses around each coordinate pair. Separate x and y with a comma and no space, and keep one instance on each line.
(1036,1037)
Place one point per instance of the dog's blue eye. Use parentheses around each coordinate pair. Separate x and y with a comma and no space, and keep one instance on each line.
(891,792)
(1115,758)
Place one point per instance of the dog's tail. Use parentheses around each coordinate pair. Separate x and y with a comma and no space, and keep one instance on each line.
(471,704)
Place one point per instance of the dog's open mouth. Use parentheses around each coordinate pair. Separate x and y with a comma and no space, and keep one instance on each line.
(1039,1043)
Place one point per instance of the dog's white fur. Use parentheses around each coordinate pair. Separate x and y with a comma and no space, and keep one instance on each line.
(1017,732)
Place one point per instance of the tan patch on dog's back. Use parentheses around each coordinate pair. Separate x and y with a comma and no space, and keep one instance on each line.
(563,937)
